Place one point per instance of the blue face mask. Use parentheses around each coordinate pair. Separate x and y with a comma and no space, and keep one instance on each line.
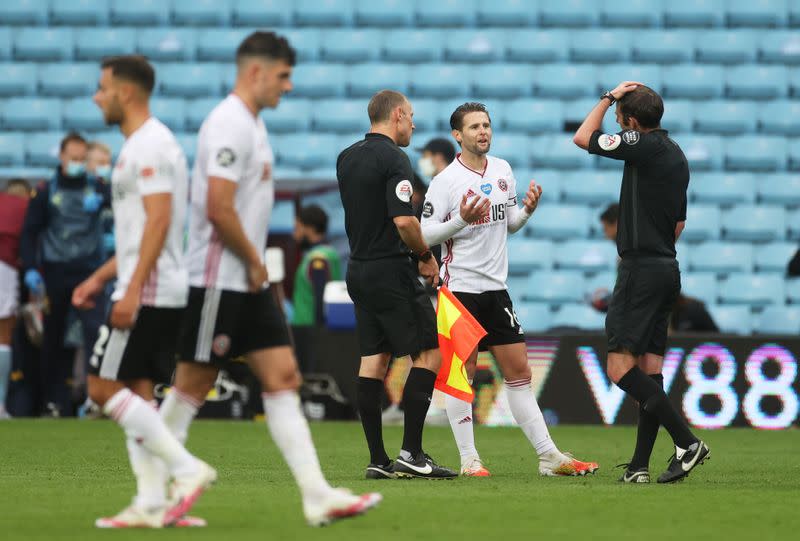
(75,169)
(103,171)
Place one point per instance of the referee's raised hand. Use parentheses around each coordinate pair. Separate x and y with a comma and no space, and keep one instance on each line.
(475,209)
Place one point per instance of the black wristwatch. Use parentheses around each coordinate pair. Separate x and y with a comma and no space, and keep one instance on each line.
(425,256)
(609,96)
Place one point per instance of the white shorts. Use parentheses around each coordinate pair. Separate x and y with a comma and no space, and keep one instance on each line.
(9,291)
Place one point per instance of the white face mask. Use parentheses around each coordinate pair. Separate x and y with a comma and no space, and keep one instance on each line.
(426,166)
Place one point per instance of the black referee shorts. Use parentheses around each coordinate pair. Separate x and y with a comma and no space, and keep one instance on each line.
(393,312)
(638,314)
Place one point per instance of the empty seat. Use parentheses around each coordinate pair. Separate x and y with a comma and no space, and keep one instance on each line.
(779,47)
(663,47)
(793,290)
(559,152)
(426,116)
(560,222)
(793,221)
(5,43)
(678,116)
(779,189)
(538,46)
(307,150)
(68,80)
(533,115)
(388,13)
(291,115)
(188,142)
(756,82)
(413,45)
(601,281)
(554,286)
(97,43)
(693,81)
(189,80)
(754,223)
(507,13)
(609,76)
(440,80)
(637,13)
(502,80)
(469,45)
(445,12)
(700,285)
(566,80)
(82,114)
(323,12)
(732,319)
(343,116)
(756,153)
(201,12)
(219,44)
(305,41)
(12,148)
(31,114)
(18,79)
(591,187)
(774,257)
(752,289)
(793,152)
(525,255)
(42,148)
(780,117)
(727,47)
(43,44)
(170,111)
(778,320)
(702,151)
(726,117)
(198,109)
(24,12)
(550,180)
(533,316)
(602,46)
(586,255)
(350,45)
(578,316)
(513,148)
(721,257)
(364,80)
(79,13)
(703,222)
(764,13)
(167,44)
(281,221)
(575,13)
(318,80)
(139,13)
(723,188)
(693,13)
(262,13)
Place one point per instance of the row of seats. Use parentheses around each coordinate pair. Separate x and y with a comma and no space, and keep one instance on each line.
(415,46)
(390,13)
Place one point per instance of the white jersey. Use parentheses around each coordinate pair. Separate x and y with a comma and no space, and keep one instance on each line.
(475,259)
(151,162)
(233,145)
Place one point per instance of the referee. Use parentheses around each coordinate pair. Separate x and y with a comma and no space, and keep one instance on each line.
(652,214)
(394,315)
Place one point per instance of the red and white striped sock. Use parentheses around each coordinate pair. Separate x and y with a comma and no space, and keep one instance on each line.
(178,410)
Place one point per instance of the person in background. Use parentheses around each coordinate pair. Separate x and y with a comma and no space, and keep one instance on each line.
(608,219)
(61,246)
(437,154)
(690,315)
(13,204)
(98,160)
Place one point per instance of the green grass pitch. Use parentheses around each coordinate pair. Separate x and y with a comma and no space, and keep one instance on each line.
(56,477)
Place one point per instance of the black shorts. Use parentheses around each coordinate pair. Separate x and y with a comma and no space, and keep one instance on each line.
(638,314)
(394,314)
(220,325)
(494,311)
(147,351)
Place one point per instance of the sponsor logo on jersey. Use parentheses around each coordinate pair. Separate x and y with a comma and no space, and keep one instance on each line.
(631,137)
(486,188)
(404,191)
(266,172)
(226,157)
(608,141)
(470,193)
(221,345)
(427,209)
(147,172)
(502,184)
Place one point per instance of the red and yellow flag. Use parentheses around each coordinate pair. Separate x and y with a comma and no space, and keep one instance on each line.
(459,334)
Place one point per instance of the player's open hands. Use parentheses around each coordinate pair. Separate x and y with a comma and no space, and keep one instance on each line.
(430,271)
(256,275)
(532,196)
(125,310)
(83,295)
(623,88)
(475,209)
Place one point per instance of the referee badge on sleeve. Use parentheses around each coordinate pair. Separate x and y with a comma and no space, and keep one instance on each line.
(609,141)
(631,137)
(403,190)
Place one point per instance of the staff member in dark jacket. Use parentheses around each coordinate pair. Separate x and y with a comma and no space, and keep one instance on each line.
(61,246)
(652,212)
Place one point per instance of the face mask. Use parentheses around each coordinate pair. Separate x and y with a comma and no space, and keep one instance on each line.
(426,166)
(75,169)
(304,244)
(103,171)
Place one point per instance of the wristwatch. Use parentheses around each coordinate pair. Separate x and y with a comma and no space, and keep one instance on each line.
(609,96)
(425,256)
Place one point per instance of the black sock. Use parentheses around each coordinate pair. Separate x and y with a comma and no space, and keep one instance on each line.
(646,434)
(416,401)
(653,400)
(369,409)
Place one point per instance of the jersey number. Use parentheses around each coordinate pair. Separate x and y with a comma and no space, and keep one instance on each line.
(512,318)
(100,346)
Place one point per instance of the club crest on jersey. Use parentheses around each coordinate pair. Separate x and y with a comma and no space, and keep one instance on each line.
(226,157)
(427,209)
(221,345)
(502,184)
(486,188)
(609,141)
(403,190)
(147,172)
(631,137)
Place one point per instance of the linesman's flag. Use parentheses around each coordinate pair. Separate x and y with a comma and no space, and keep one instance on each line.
(459,334)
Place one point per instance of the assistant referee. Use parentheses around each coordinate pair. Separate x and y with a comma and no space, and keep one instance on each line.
(394,315)
(652,213)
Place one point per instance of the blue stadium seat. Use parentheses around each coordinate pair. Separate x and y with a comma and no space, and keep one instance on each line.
(82,114)
(726,47)
(167,44)
(525,255)
(318,80)
(551,181)
(426,116)
(198,109)
(305,41)
(774,256)
(139,13)
(471,45)
(610,76)
(5,43)
(721,257)
(533,316)
(68,80)
(603,46)
(287,173)
(702,151)
(693,81)
(31,114)
(342,116)
(601,281)
(779,189)
(440,80)
(637,13)
(350,45)
(591,187)
(97,43)
(188,142)
(779,47)
(323,12)
(514,148)
(778,320)
(700,285)
(19,79)
(726,117)
(755,223)
(24,12)
(201,12)
(576,13)
(507,13)
(586,255)
(793,151)
(501,80)
(413,45)
(752,289)
(765,13)
(307,150)
(678,115)
(170,111)
(793,290)
(723,188)
(794,14)
(291,115)
(385,13)
(793,221)
(732,319)
(41,148)
(43,44)
(560,222)
(532,115)
(281,221)
(755,81)
(219,44)
(262,13)
(703,222)
(756,153)
(445,12)
(12,148)
(537,46)
(326,174)
(364,80)
(578,316)
(189,80)
(559,152)
(79,13)
(555,286)
(780,117)
(566,80)
(693,13)
(664,47)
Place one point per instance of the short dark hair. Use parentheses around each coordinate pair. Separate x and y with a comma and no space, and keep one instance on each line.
(133,68)
(72,137)
(457,118)
(266,45)
(644,104)
(611,214)
(315,217)
(18,182)
(382,103)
